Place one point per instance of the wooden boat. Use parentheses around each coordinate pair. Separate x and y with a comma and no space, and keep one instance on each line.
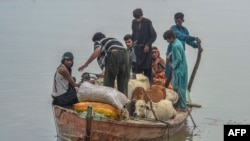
(73,127)
(70,126)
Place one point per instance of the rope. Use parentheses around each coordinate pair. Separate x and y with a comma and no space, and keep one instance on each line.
(151,106)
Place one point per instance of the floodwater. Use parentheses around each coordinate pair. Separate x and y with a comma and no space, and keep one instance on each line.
(35,33)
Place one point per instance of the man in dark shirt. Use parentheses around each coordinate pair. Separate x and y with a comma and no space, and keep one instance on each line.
(144,35)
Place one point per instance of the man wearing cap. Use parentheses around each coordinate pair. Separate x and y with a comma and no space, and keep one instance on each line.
(64,92)
(112,56)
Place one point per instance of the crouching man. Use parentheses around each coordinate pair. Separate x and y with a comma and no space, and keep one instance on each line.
(64,88)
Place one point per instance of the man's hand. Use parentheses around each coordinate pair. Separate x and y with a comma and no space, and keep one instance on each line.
(198,40)
(100,75)
(199,43)
(146,49)
(168,57)
(82,67)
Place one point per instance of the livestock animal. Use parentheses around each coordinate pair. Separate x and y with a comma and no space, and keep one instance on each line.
(162,110)
(171,95)
(154,93)
(140,81)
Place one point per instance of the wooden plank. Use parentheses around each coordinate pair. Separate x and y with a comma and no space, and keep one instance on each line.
(194,105)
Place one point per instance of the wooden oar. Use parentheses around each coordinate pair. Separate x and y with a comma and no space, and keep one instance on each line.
(197,63)
(193,105)
(192,77)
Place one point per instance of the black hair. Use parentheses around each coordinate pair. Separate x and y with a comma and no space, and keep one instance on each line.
(68,55)
(137,13)
(154,48)
(179,15)
(127,37)
(70,68)
(168,34)
(98,36)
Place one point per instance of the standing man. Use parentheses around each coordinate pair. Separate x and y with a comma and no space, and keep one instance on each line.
(112,56)
(64,92)
(178,66)
(130,47)
(182,34)
(144,35)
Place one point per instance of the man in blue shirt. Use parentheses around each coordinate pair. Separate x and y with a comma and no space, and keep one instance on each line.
(178,66)
(182,34)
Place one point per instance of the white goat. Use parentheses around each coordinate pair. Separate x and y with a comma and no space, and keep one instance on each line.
(171,95)
(164,109)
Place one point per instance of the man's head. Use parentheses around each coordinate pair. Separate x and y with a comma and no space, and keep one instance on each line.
(137,13)
(179,19)
(98,36)
(128,40)
(67,59)
(155,52)
(169,35)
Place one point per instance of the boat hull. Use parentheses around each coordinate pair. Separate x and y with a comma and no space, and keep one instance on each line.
(70,126)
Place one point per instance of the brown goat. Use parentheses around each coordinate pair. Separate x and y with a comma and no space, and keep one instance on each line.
(155,93)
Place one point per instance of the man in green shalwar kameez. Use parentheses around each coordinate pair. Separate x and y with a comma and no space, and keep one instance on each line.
(179,67)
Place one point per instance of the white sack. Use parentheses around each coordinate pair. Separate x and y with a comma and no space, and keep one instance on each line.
(90,92)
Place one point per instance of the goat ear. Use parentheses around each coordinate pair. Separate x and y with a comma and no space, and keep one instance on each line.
(134,93)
